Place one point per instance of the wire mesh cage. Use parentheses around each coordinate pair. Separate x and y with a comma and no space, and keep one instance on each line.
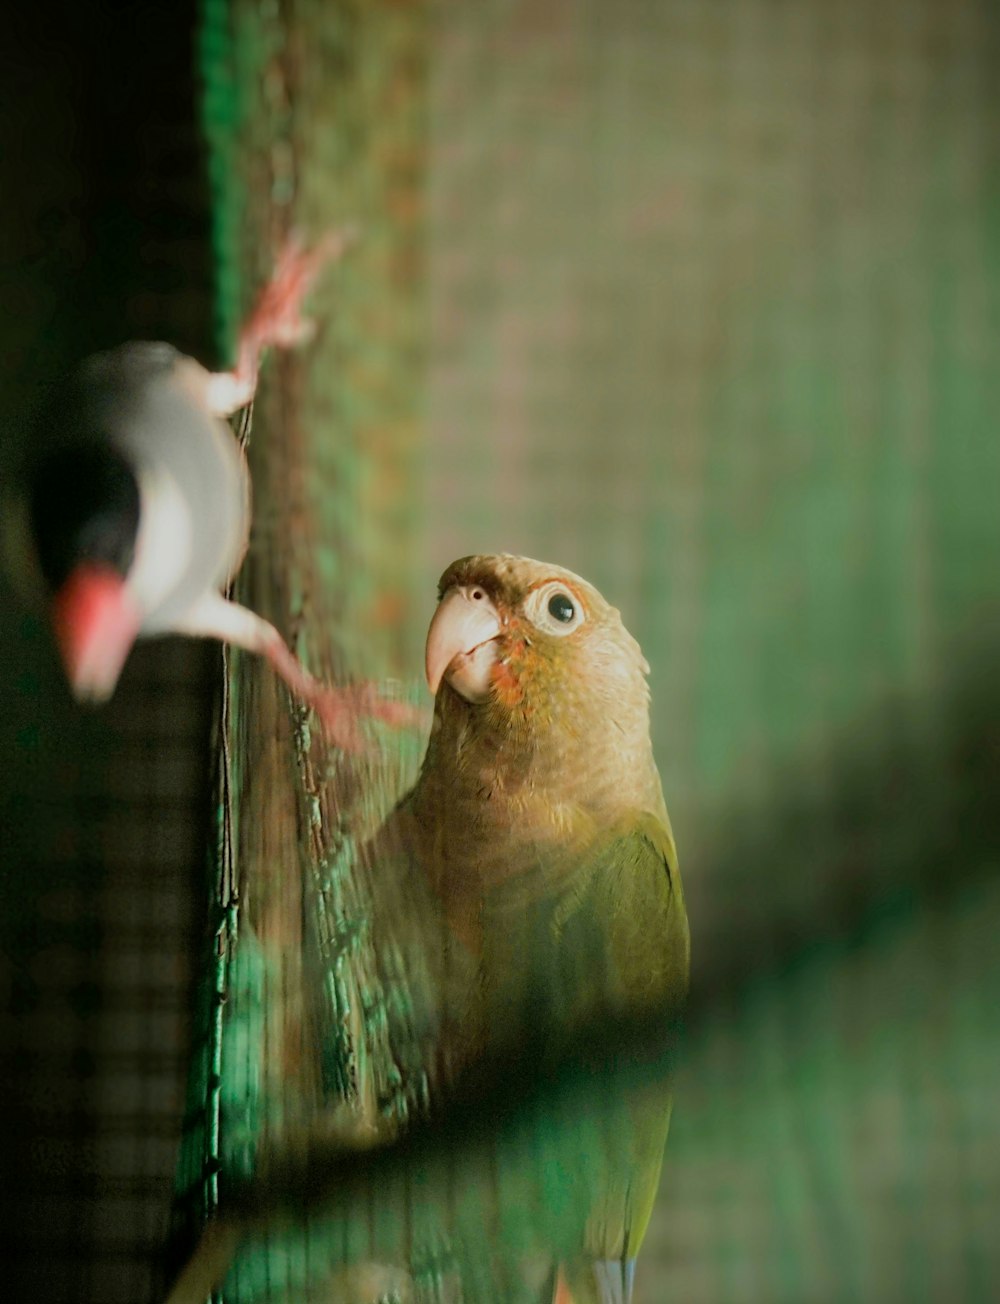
(698,300)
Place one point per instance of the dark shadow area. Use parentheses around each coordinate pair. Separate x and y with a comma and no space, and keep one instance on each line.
(105,235)
(902,817)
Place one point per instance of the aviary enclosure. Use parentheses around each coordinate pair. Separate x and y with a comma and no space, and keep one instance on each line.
(700,300)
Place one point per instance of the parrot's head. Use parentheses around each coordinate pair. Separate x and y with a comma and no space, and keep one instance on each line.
(84,511)
(530,662)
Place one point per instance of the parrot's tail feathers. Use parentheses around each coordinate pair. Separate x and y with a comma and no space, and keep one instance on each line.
(562,1294)
(613,1281)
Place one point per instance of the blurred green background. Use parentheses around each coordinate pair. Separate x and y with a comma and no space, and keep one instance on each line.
(715,296)
(702,301)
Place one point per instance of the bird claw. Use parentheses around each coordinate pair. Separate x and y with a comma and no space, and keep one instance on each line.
(341,710)
(277,317)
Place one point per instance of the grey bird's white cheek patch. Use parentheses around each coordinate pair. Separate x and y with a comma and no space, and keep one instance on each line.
(164,542)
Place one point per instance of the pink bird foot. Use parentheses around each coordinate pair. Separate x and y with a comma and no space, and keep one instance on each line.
(341,711)
(340,708)
(277,318)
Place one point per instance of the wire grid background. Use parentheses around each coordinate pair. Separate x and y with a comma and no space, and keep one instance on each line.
(715,309)
(714,312)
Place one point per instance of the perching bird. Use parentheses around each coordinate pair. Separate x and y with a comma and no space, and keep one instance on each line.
(539,822)
(526,912)
(134,509)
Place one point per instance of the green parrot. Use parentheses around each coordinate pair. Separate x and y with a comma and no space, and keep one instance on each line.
(539,822)
(526,913)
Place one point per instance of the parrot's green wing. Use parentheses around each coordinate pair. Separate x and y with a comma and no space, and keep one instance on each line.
(604,947)
(608,937)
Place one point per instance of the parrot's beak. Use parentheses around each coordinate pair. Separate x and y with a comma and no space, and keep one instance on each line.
(96,621)
(460,642)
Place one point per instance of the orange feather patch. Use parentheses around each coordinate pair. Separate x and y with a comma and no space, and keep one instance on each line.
(506,680)
(562,1295)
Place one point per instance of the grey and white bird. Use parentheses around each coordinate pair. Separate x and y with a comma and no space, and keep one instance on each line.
(133,512)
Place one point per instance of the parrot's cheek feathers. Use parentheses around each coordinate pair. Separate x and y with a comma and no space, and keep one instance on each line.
(96,622)
(470,674)
(508,690)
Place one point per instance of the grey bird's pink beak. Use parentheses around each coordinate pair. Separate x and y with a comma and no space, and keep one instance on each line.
(461,645)
(96,622)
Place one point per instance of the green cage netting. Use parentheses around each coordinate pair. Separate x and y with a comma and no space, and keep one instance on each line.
(700,300)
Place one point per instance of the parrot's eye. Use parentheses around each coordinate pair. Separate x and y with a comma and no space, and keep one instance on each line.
(552,608)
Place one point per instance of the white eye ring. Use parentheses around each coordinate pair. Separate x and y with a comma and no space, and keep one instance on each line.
(554,608)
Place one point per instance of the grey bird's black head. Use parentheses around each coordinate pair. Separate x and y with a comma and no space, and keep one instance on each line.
(84,510)
(83,505)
